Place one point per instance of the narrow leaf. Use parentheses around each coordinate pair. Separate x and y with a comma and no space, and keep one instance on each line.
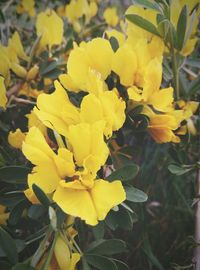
(181,27)
(41,195)
(8,245)
(143,23)
(14,174)
(107,247)
(100,262)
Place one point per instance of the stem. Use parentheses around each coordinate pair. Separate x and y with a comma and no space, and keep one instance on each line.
(174,65)
(196,259)
(175,72)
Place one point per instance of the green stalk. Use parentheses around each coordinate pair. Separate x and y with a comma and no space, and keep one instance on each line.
(175,68)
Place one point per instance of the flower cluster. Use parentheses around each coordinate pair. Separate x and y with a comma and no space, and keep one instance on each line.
(82,90)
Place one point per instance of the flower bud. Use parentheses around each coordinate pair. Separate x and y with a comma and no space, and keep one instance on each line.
(19,70)
(32,73)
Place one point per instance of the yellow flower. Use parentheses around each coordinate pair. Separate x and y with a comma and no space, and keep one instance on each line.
(162,126)
(15,49)
(96,55)
(160,99)
(99,105)
(91,204)
(50,26)
(26,6)
(107,106)
(15,139)
(3,215)
(81,195)
(3,98)
(110,16)
(56,111)
(64,257)
(4,65)
(76,9)
(36,149)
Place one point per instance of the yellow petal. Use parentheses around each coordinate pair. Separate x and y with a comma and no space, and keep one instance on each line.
(91,109)
(162,100)
(68,83)
(106,195)
(62,253)
(135,93)
(16,45)
(95,84)
(64,162)
(90,135)
(44,176)
(96,54)
(77,203)
(125,65)
(15,139)
(78,65)
(113,111)
(152,78)
(3,98)
(36,149)
(110,16)
(56,111)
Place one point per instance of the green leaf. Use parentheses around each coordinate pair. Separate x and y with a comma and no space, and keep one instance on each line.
(99,230)
(148,4)
(163,26)
(181,27)
(22,266)
(114,43)
(121,219)
(107,247)
(124,174)
(47,67)
(53,74)
(8,245)
(143,23)
(85,264)
(14,174)
(69,44)
(39,193)
(135,195)
(16,212)
(100,262)
(121,265)
(179,170)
